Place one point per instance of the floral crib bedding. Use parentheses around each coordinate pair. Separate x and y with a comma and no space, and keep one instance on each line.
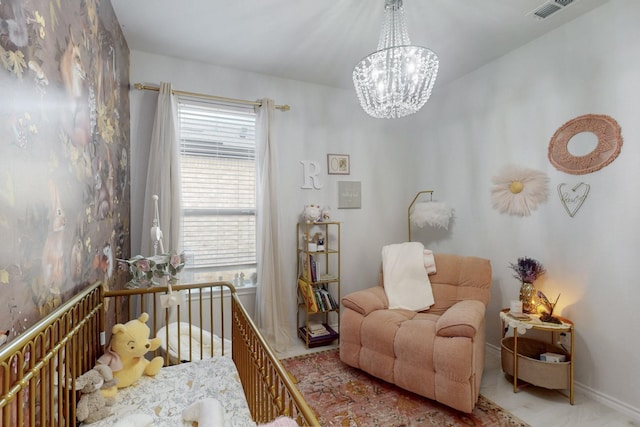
(176,387)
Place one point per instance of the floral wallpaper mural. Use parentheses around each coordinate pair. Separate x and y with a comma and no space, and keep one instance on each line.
(64,144)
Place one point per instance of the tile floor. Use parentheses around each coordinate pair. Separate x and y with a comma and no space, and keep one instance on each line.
(536,406)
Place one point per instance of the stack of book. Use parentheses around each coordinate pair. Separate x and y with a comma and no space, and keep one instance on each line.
(317,298)
(324,300)
(317,330)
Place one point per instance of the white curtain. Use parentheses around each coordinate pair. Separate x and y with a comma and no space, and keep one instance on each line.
(163,176)
(271,303)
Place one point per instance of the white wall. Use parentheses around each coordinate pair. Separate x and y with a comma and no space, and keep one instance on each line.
(506,113)
(322,120)
(503,113)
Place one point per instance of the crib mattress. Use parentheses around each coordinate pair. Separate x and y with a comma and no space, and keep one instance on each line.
(175,388)
(194,344)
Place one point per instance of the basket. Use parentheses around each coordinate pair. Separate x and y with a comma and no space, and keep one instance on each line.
(551,375)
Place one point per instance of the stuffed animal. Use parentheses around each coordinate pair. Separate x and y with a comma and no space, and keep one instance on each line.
(92,405)
(312,213)
(206,412)
(125,353)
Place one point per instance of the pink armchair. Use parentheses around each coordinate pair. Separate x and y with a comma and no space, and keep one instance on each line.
(437,353)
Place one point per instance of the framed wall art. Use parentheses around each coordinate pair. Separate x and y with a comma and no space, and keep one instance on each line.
(338,164)
(349,194)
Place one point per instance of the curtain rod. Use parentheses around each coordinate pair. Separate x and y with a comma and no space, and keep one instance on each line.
(141,86)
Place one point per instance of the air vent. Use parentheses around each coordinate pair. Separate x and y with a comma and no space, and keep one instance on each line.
(550,7)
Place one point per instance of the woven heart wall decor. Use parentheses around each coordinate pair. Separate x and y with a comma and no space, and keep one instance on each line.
(572,198)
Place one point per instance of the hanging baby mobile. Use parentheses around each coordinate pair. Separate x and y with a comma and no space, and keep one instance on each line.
(161,268)
(518,190)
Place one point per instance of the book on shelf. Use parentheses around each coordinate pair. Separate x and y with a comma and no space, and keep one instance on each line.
(304,267)
(330,301)
(308,295)
(316,329)
(317,340)
(333,301)
(316,326)
(319,300)
(327,299)
(313,269)
(318,333)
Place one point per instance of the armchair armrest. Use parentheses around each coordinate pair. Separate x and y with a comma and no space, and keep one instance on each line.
(463,319)
(367,300)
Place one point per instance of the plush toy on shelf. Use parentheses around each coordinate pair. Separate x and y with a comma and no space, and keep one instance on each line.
(318,239)
(312,213)
(125,353)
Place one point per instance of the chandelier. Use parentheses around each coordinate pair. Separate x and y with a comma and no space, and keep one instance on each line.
(397,79)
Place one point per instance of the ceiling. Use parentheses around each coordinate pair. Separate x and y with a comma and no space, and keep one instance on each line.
(320,41)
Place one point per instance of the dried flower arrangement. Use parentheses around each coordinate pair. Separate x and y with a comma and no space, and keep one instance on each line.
(527,269)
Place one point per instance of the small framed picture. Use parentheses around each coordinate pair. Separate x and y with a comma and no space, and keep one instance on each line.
(338,164)
(349,194)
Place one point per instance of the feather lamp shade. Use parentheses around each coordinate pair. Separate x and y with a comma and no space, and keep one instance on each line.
(434,214)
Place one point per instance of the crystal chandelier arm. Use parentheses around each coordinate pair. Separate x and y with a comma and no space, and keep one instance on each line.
(394,28)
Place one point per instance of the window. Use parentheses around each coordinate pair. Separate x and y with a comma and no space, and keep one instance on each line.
(218,169)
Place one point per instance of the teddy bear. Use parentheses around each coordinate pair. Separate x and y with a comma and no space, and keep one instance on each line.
(92,405)
(311,213)
(125,353)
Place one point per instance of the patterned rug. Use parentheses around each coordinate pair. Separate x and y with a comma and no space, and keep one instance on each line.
(343,396)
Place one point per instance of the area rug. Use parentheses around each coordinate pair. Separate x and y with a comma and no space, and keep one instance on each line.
(343,396)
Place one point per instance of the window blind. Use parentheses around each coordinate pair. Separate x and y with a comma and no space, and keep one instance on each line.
(218,187)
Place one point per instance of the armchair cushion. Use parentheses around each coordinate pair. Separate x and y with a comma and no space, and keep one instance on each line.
(463,319)
(365,301)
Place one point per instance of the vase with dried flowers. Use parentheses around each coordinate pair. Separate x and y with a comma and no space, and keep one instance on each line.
(157,270)
(527,271)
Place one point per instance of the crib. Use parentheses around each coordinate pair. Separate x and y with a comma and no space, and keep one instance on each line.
(38,369)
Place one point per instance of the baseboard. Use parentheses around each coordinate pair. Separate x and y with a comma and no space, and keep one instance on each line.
(493,349)
(590,393)
(609,401)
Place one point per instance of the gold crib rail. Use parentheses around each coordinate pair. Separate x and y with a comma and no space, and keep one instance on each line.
(38,368)
(269,390)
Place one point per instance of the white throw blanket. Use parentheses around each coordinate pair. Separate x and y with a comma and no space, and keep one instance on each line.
(406,282)
(429,262)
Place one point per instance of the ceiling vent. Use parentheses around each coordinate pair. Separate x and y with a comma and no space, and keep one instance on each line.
(550,7)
